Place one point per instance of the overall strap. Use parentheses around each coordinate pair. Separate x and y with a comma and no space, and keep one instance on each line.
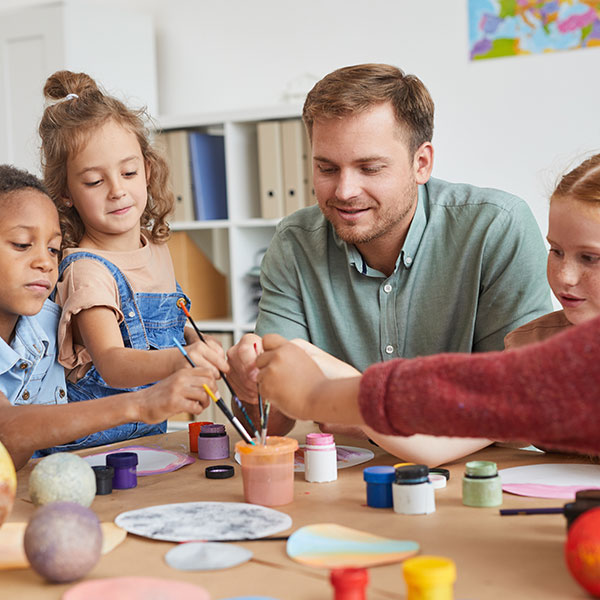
(132,327)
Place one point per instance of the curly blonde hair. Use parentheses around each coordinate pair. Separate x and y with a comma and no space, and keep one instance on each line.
(66,126)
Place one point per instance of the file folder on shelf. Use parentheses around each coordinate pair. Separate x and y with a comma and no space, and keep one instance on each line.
(207,156)
(270,169)
(175,146)
(295,180)
(310,197)
(205,286)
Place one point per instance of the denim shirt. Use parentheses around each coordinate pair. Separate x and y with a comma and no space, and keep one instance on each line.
(29,372)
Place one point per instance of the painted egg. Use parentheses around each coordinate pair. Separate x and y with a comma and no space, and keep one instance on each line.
(62,477)
(8,483)
(582,550)
(63,541)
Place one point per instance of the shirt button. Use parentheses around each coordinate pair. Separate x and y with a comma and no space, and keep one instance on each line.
(25,395)
(387,288)
(61,393)
(131,314)
(389,349)
(22,366)
(408,260)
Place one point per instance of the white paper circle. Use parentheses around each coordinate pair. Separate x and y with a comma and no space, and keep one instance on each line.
(206,556)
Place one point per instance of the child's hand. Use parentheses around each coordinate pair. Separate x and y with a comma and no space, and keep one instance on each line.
(180,392)
(287,376)
(209,355)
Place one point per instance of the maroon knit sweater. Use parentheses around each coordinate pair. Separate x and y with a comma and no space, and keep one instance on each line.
(547,393)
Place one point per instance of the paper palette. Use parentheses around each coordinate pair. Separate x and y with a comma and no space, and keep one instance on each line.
(204,521)
(329,546)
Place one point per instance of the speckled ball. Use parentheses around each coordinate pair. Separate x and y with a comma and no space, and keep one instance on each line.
(63,541)
(62,477)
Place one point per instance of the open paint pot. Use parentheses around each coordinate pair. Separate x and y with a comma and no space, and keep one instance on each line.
(268,470)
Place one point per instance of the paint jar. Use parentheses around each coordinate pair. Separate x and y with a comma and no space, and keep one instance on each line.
(213,442)
(349,584)
(584,501)
(412,491)
(320,458)
(481,485)
(429,578)
(379,486)
(194,431)
(125,466)
(268,470)
(104,479)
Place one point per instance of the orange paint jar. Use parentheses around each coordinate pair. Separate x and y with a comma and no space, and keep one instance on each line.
(268,471)
(194,431)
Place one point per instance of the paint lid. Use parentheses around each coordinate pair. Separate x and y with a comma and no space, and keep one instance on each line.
(219,472)
(212,430)
(379,474)
(122,460)
(429,570)
(349,579)
(412,474)
(481,468)
(319,439)
(592,494)
(441,471)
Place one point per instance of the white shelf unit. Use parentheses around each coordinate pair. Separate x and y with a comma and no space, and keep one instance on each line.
(233,245)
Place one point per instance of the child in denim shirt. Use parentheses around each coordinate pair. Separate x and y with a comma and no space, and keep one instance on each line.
(34,412)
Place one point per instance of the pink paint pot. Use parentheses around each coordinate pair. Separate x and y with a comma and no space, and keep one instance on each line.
(268,470)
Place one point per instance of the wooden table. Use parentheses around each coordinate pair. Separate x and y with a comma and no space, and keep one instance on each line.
(496,557)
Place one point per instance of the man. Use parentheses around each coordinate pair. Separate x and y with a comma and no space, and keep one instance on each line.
(392,263)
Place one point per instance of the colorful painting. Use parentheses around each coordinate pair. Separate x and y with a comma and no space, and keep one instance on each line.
(514,27)
(330,546)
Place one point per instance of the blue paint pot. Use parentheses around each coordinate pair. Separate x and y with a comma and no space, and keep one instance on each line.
(379,486)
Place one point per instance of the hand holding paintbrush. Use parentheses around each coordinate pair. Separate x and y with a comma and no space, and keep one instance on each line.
(181,304)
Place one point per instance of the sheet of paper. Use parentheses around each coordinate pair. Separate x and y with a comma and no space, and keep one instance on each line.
(550,480)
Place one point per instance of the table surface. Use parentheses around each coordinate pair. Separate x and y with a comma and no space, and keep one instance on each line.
(514,557)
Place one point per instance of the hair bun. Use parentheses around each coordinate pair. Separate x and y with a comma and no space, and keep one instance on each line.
(61,83)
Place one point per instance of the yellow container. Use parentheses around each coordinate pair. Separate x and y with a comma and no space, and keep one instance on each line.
(429,578)
(268,470)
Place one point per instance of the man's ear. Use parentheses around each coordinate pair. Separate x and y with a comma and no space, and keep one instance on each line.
(423,162)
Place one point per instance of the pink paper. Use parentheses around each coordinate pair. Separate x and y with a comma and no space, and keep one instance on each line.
(539,490)
(152,461)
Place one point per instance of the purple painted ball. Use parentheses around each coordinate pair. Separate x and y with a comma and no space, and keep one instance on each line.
(63,541)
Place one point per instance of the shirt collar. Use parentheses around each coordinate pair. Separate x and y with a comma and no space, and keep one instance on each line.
(411,244)
(30,339)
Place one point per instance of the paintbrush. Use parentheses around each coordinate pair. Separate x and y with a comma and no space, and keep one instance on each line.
(183,307)
(260,402)
(218,401)
(532,511)
(265,422)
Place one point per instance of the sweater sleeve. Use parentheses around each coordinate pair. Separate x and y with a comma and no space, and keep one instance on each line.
(545,392)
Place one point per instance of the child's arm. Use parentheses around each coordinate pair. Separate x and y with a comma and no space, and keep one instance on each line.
(424,449)
(97,329)
(25,429)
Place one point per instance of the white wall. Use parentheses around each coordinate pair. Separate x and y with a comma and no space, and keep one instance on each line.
(512,123)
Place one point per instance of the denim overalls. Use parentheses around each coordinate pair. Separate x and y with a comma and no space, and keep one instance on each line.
(150,322)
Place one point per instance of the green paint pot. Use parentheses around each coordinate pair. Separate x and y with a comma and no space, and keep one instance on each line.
(481,486)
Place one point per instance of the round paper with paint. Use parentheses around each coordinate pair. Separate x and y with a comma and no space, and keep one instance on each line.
(327,545)
(206,556)
(204,521)
(560,480)
(151,461)
(347,456)
(135,588)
